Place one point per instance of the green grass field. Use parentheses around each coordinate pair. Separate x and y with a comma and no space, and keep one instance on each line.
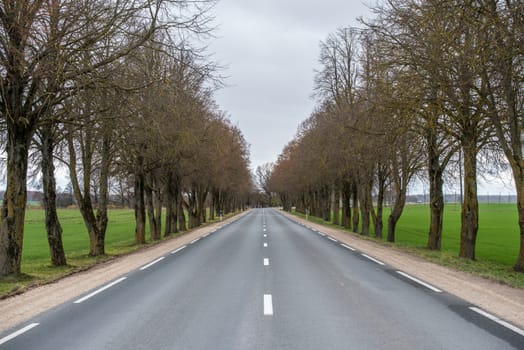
(497,240)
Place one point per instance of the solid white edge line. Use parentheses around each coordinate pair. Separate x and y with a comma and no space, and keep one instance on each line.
(373,259)
(348,247)
(331,239)
(268,305)
(414,279)
(100,290)
(498,320)
(265,245)
(179,249)
(17,333)
(195,240)
(152,263)
(266,262)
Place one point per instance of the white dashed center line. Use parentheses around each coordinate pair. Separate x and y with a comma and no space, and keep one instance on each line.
(268,305)
(265,245)
(266,262)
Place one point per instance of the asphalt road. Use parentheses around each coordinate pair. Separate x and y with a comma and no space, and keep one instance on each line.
(264,282)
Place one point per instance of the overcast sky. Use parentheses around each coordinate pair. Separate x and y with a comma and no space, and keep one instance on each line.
(271,49)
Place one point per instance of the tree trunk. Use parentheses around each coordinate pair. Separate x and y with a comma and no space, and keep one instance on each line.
(96,237)
(101,211)
(346,207)
(519,180)
(182,226)
(150,211)
(396,212)
(377,218)
(170,205)
(365,207)
(52,223)
(336,206)
(436,201)
(140,209)
(469,212)
(14,204)
(158,213)
(356,210)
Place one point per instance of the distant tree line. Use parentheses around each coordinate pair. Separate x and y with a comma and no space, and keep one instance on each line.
(423,88)
(118,93)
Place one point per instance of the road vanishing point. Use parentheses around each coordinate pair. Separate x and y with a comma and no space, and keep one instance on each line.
(265,282)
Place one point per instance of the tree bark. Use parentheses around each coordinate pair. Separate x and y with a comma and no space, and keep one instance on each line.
(519,180)
(396,212)
(469,212)
(148,191)
(14,204)
(436,194)
(365,206)
(96,225)
(52,223)
(346,207)
(140,209)
(336,206)
(356,210)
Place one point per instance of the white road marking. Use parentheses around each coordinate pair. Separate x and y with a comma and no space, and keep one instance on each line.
(152,263)
(264,230)
(265,245)
(100,290)
(268,305)
(331,239)
(498,320)
(265,235)
(320,233)
(348,247)
(427,285)
(179,249)
(373,259)
(195,240)
(17,333)
(266,262)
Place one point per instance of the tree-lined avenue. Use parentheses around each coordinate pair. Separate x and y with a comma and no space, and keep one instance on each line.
(305,290)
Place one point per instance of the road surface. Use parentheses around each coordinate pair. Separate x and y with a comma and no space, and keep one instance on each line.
(265,282)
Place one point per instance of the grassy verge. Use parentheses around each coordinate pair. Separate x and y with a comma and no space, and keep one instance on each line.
(497,241)
(36,267)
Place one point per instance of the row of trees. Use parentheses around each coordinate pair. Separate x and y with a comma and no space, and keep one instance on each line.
(424,85)
(113,91)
